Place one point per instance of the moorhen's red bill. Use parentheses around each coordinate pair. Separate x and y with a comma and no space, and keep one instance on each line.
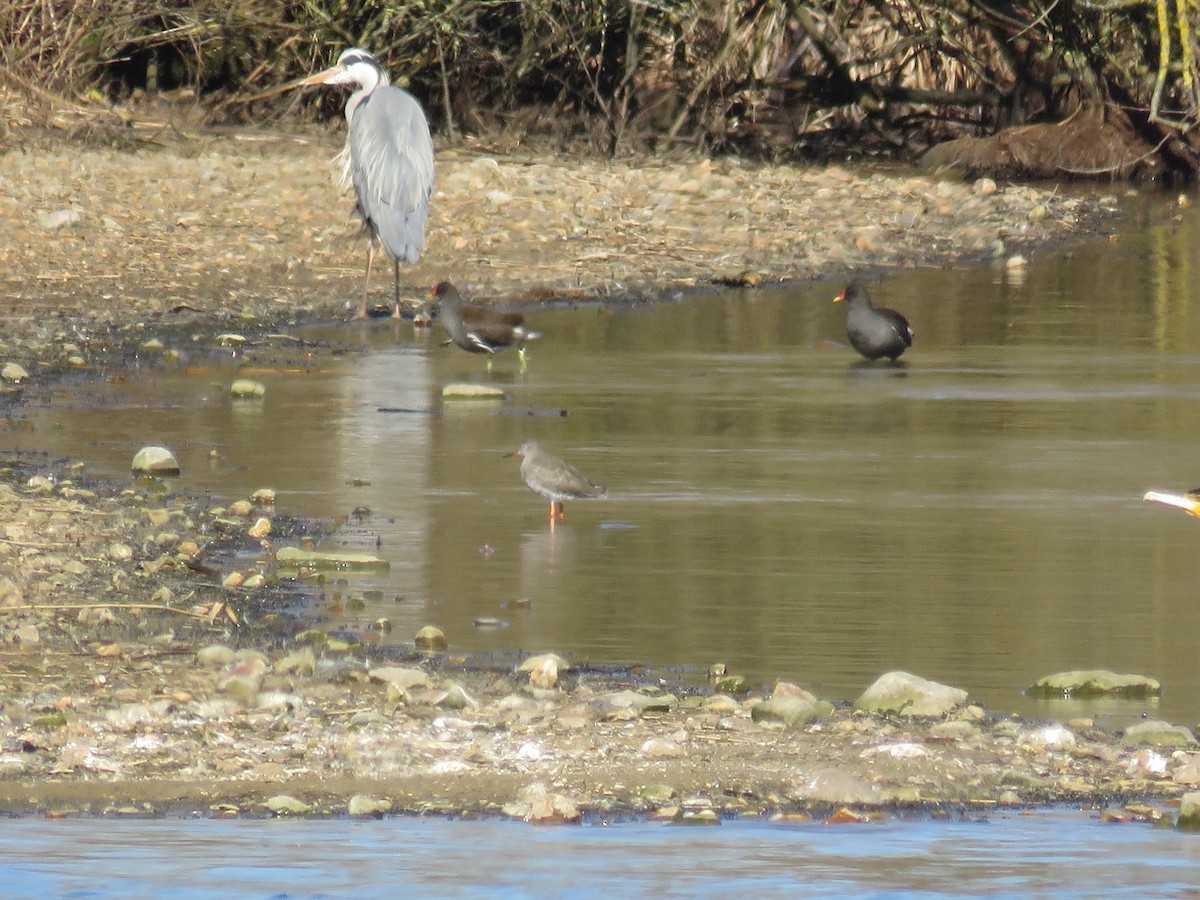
(1189,502)
(477,329)
(554,478)
(873,330)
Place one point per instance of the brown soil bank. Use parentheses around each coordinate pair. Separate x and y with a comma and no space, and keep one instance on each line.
(1085,145)
(107,598)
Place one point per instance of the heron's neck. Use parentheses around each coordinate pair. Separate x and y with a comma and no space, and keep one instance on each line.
(352,104)
(369,78)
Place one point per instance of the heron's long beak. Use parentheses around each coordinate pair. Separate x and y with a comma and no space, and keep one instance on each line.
(516,452)
(1186,503)
(840,297)
(329,76)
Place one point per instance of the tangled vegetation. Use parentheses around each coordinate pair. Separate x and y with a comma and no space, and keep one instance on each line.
(765,77)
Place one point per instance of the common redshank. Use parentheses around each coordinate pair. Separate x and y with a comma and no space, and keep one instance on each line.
(873,330)
(554,478)
(1189,502)
(477,329)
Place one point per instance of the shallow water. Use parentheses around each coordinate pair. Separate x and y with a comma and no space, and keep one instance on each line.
(1045,854)
(973,515)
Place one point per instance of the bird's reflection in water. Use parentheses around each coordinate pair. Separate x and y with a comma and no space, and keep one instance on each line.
(547,558)
(866,368)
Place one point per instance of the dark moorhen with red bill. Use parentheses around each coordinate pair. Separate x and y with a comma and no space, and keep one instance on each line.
(479,330)
(873,330)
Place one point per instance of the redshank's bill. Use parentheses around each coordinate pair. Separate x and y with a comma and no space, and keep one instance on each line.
(873,330)
(477,329)
(554,478)
(1189,502)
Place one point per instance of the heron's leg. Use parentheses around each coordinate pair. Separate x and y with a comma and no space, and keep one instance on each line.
(395,288)
(521,357)
(362,307)
(489,363)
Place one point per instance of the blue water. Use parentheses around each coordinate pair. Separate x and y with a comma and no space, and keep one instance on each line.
(1050,853)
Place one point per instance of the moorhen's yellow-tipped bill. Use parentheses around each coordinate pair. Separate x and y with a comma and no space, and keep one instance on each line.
(1189,502)
(554,478)
(477,329)
(873,331)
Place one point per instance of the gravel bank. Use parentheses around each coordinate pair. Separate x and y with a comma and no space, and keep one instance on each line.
(255,225)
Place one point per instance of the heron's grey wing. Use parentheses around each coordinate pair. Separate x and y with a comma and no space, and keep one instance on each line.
(391,157)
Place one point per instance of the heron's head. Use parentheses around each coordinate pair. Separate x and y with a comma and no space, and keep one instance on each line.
(353,55)
(354,66)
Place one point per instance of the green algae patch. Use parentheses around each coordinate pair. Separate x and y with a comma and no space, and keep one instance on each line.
(1089,683)
(318,559)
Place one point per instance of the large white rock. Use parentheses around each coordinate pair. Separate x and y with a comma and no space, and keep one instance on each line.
(910,695)
(155,461)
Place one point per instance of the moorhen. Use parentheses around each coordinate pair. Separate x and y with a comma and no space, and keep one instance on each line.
(389,158)
(1189,502)
(554,478)
(873,330)
(479,330)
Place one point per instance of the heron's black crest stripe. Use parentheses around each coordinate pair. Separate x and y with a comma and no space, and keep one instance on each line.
(359,56)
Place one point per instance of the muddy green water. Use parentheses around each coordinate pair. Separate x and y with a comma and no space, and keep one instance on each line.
(973,516)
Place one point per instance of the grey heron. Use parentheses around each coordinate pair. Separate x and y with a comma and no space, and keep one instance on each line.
(388,157)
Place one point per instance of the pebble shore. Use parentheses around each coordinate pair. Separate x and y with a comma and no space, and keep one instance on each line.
(258,227)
